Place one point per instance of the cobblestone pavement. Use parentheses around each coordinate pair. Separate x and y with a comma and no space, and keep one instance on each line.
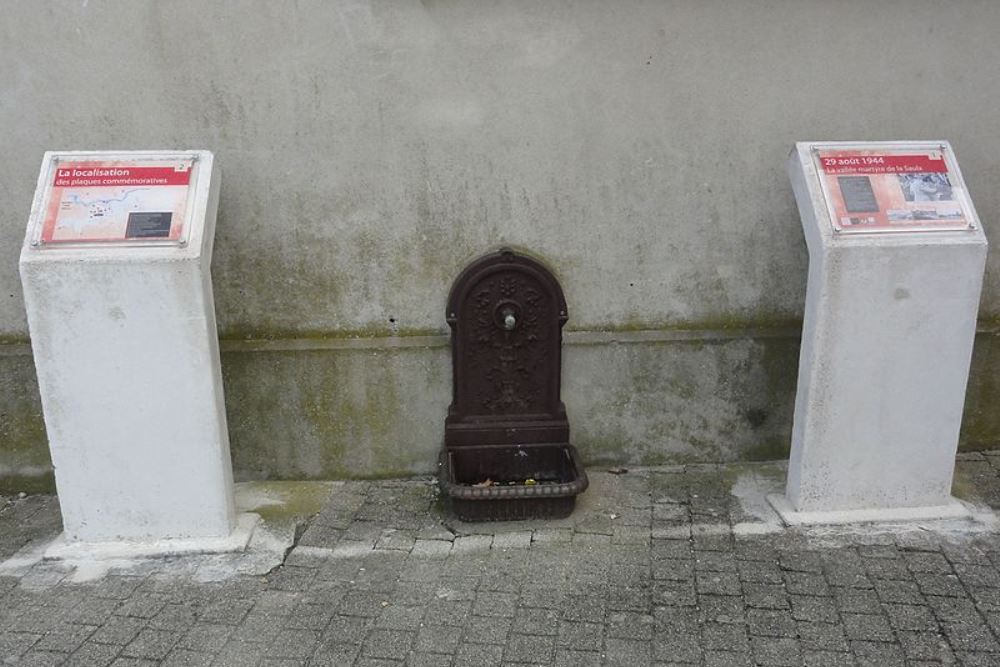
(659,566)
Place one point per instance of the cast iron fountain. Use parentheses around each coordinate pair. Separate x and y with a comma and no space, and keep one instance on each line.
(507,453)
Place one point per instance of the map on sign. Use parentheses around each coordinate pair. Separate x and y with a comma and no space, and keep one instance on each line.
(90,201)
(891,189)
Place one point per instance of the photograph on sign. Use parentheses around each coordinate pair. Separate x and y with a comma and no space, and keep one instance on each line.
(117,201)
(891,189)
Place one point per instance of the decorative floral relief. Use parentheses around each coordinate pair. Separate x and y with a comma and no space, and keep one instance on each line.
(509,368)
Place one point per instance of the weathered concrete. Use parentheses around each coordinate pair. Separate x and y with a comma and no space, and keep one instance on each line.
(887,340)
(125,345)
(372,150)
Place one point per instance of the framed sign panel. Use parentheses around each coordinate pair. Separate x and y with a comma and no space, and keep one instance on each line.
(872,188)
(125,200)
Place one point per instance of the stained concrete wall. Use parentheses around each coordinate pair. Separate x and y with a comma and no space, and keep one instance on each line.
(371,149)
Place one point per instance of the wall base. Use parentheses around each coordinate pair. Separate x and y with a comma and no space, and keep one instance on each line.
(792,517)
(235,542)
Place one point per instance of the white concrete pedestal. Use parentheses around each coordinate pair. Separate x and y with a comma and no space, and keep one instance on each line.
(126,351)
(887,340)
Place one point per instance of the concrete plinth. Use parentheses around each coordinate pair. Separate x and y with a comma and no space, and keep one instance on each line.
(125,346)
(887,340)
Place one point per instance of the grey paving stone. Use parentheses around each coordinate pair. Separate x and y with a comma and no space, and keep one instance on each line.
(849,575)
(121,631)
(533,649)
(925,646)
(486,630)
(970,637)
(671,549)
(290,578)
(901,592)
(362,603)
(513,540)
(931,562)
(438,639)
(627,652)
(940,584)
(182,657)
(877,654)
(574,658)
(141,606)
(815,636)
(291,643)
(801,561)
(14,644)
(388,644)
(677,646)
(581,636)
(478,655)
(718,583)
(91,611)
(431,549)
(760,572)
(721,609)
(93,655)
(534,621)
(116,587)
(334,654)
(64,638)
(206,637)
(542,597)
(776,651)
(237,654)
(911,617)
(867,627)
(673,569)
(956,610)
(771,623)
(724,637)
(811,658)
(420,659)
(726,658)
(806,583)
(820,609)
(35,658)
(151,644)
(765,596)
(986,599)
(495,604)
(376,662)
(176,617)
(229,612)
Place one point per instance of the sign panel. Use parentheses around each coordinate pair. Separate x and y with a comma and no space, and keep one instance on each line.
(136,201)
(892,189)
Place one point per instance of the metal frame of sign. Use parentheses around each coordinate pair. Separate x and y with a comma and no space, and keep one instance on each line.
(40,215)
(955,177)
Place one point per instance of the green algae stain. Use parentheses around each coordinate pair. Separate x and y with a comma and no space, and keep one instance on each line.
(24,454)
(282,502)
(774,449)
(11,485)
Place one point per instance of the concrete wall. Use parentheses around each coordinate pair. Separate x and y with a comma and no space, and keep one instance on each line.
(371,149)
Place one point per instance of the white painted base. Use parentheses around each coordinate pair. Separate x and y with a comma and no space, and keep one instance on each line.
(791,517)
(887,338)
(235,542)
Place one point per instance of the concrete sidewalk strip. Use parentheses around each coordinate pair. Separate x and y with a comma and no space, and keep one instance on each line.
(679,565)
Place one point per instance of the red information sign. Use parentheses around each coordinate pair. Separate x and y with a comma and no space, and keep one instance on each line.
(891,189)
(114,201)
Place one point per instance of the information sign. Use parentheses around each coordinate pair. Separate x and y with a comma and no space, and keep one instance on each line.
(892,189)
(136,201)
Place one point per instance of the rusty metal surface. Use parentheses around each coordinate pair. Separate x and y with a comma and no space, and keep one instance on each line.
(506,313)
(507,454)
